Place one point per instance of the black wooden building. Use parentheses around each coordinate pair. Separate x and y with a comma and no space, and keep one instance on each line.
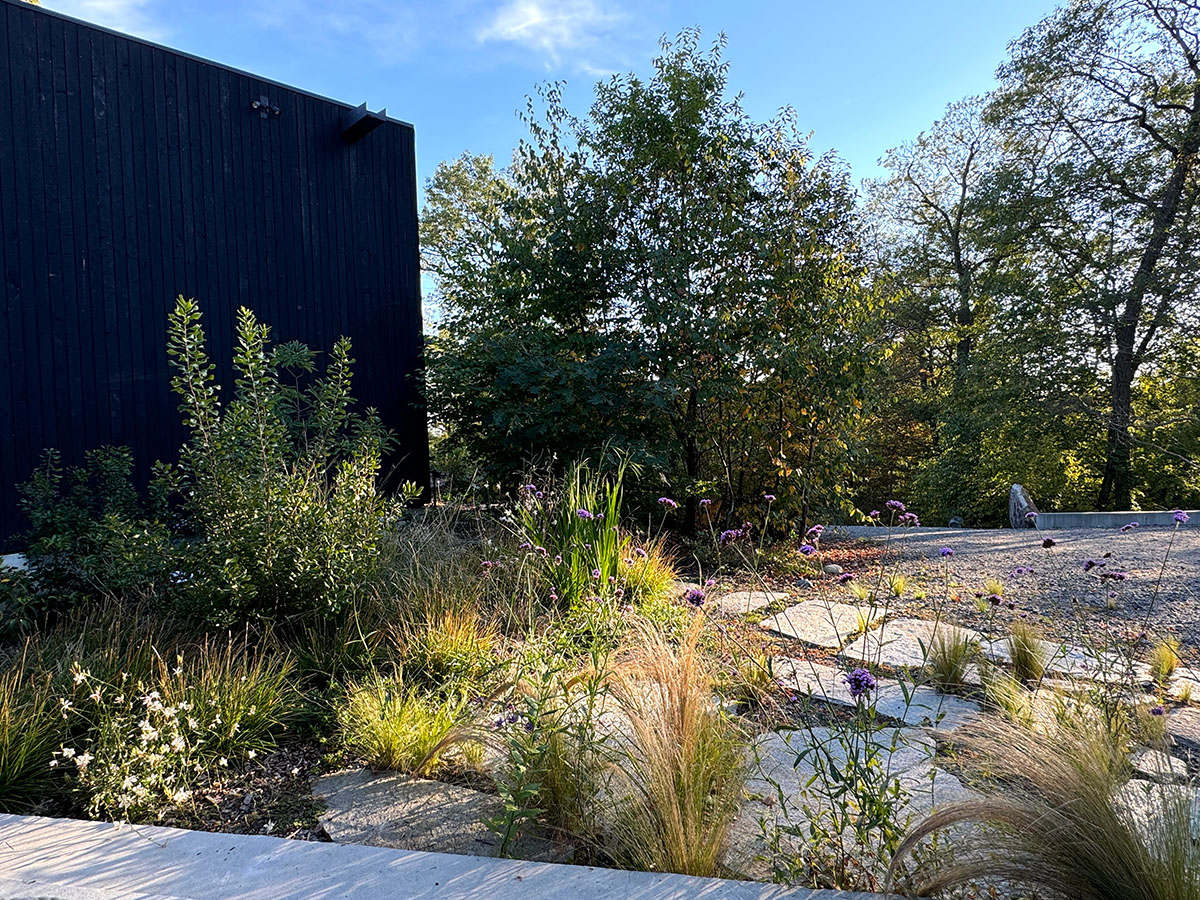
(130,174)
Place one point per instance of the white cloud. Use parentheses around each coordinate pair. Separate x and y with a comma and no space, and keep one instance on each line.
(129,16)
(549,26)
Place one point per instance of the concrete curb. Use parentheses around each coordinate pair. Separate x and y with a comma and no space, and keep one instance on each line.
(67,859)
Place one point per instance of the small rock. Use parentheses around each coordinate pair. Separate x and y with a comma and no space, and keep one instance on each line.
(832,569)
(956,522)
(805,585)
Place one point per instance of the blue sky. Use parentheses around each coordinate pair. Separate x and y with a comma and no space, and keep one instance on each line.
(863,75)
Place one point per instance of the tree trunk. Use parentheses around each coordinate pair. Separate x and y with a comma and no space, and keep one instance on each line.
(1116,490)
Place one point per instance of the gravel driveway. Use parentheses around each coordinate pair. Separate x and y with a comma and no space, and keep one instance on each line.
(1058,592)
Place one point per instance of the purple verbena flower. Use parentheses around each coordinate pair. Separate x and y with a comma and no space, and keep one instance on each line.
(770,498)
(874,514)
(844,577)
(639,553)
(896,505)
(815,531)
(1047,543)
(1125,529)
(1094,564)
(1113,576)
(1181,517)
(808,549)
(946,551)
(668,503)
(695,597)
(1031,516)
(596,573)
(706,502)
(586,514)
(525,545)
(532,488)
(861,682)
(1158,710)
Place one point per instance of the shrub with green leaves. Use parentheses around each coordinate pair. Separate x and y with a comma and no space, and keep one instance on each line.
(90,535)
(279,485)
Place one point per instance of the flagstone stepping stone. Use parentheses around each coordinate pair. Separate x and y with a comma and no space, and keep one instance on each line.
(821,681)
(1185,686)
(1148,800)
(739,603)
(774,771)
(389,809)
(819,622)
(1156,765)
(775,763)
(1077,662)
(1183,726)
(903,643)
(925,705)
(929,789)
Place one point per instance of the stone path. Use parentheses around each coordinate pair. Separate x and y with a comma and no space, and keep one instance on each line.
(65,859)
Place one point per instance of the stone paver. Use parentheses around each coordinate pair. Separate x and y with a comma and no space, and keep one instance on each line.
(1185,685)
(903,643)
(392,810)
(739,603)
(1076,662)
(821,681)
(1155,764)
(819,622)
(73,860)
(924,705)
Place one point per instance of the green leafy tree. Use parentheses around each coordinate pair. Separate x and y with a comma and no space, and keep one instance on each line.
(664,275)
(1101,102)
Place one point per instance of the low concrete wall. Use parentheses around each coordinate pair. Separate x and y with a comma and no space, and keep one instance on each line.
(1154,517)
(73,860)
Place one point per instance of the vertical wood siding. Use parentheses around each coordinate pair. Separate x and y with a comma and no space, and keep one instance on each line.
(130,174)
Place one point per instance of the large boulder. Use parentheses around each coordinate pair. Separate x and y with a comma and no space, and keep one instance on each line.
(1020,504)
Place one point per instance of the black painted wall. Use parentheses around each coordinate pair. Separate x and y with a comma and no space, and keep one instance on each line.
(129,174)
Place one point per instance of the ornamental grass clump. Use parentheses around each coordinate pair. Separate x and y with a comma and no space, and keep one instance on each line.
(392,725)
(31,728)
(950,657)
(1027,651)
(1163,659)
(1059,820)
(681,769)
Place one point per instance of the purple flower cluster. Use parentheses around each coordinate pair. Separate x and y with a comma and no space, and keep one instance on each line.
(815,532)
(585,514)
(844,577)
(668,503)
(874,514)
(946,552)
(807,549)
(1031,516)
(1181,517)
(1094,564)
(695,597)
(1047,543)
(910,520)
(735,534)
(770,498)
(706,502)
(1019,571)
(1125,529)
(896,506)
(860,681)
(1113,576)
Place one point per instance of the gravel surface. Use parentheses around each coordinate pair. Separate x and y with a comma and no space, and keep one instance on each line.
(1067,601)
